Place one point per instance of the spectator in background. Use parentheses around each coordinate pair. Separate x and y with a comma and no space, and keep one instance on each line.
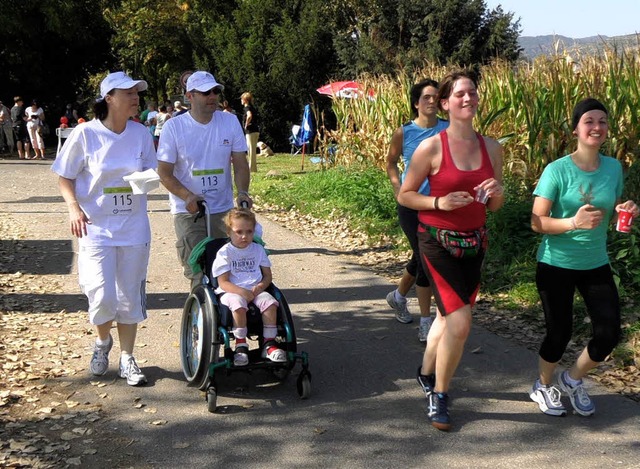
(72,115)
(179,109)
(161,118)
(18,120)
(251,126)
(6,128)
(226,107)
(151,107)
(150,120)
(35,122)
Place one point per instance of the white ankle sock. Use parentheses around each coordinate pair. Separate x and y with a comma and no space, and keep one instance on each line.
(571,381)
(101,343)
(399,298)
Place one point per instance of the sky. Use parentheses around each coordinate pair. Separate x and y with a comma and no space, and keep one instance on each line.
(573,18)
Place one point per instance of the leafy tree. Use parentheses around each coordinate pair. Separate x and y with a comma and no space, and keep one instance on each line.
(151,42)
(280,50)
(382,35)
(49,48)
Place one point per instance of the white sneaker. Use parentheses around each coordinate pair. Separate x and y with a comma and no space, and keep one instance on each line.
(423,330)
(548,399)
(274,354)
(240,357)
(579,398)
(402,313)
(100,359)
(132,372)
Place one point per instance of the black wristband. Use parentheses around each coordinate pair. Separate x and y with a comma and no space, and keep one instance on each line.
(435,204)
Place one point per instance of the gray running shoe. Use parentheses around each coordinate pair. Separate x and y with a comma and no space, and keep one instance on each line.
(423,330)
(132,372)
(548,399)
(579,398)
(402,313)
(100,359)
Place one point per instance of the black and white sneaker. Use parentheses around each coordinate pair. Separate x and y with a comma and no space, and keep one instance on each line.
(426,382)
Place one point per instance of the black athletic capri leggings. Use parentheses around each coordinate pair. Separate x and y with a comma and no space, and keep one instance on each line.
(408,219)
(556,287)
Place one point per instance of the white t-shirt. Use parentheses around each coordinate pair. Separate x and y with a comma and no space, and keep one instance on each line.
(201,154)
(152,115)
(243,265)
(34,116)
(97,159)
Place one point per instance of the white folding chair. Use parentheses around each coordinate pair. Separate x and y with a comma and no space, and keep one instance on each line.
(62,134)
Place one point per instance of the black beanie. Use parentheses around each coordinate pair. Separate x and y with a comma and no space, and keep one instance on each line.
(583,106)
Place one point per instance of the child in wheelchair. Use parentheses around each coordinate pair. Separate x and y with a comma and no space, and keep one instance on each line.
(243,272)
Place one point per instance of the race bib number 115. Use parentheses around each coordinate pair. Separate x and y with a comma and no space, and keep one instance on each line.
(118,201)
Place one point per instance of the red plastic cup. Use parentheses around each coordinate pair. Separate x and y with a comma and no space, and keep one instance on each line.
(625,219)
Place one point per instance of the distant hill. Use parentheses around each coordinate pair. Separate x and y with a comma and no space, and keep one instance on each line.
(537,45)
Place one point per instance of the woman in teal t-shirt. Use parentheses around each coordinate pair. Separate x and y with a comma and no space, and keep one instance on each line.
(576,198)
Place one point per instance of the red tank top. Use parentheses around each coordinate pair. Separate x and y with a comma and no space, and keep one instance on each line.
(451,179)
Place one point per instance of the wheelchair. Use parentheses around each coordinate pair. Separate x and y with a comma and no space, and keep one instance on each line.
(206,335)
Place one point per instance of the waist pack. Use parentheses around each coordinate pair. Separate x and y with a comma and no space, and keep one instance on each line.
(461,244)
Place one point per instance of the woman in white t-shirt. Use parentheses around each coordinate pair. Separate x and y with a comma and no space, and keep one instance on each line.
(35,121)
(161,118)
(110,222)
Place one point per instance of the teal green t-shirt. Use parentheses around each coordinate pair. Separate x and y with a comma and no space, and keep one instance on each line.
(569,188)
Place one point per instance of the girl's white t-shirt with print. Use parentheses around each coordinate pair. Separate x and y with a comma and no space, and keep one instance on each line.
(97,159)
(243,265)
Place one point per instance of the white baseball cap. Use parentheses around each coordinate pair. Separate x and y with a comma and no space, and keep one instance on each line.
(202,81)
(119,81)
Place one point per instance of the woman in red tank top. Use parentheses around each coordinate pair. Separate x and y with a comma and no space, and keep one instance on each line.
(461,166)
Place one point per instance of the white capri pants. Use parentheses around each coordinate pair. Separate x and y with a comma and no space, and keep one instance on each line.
(113,278)
(34,136)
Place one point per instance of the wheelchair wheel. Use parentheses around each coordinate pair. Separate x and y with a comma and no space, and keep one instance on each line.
(212,399)
(284,316)
(197,337)
(304,385)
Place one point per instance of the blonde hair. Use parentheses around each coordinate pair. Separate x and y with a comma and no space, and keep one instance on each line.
(239,214)
(247,96)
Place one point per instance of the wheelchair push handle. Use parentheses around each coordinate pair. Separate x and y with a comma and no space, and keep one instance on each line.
(203,210)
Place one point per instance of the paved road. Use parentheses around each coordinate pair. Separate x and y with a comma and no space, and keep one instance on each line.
(366,409)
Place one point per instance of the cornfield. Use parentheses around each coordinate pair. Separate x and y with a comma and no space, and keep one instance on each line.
(526,106)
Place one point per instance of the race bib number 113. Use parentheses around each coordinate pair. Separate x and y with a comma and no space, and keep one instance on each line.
(207,179)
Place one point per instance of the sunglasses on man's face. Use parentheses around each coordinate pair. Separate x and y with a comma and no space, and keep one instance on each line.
(215,91)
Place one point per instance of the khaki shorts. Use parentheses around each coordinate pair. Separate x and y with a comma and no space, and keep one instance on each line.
(188,234)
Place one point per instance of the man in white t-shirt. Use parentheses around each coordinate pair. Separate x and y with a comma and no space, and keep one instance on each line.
(196,152)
